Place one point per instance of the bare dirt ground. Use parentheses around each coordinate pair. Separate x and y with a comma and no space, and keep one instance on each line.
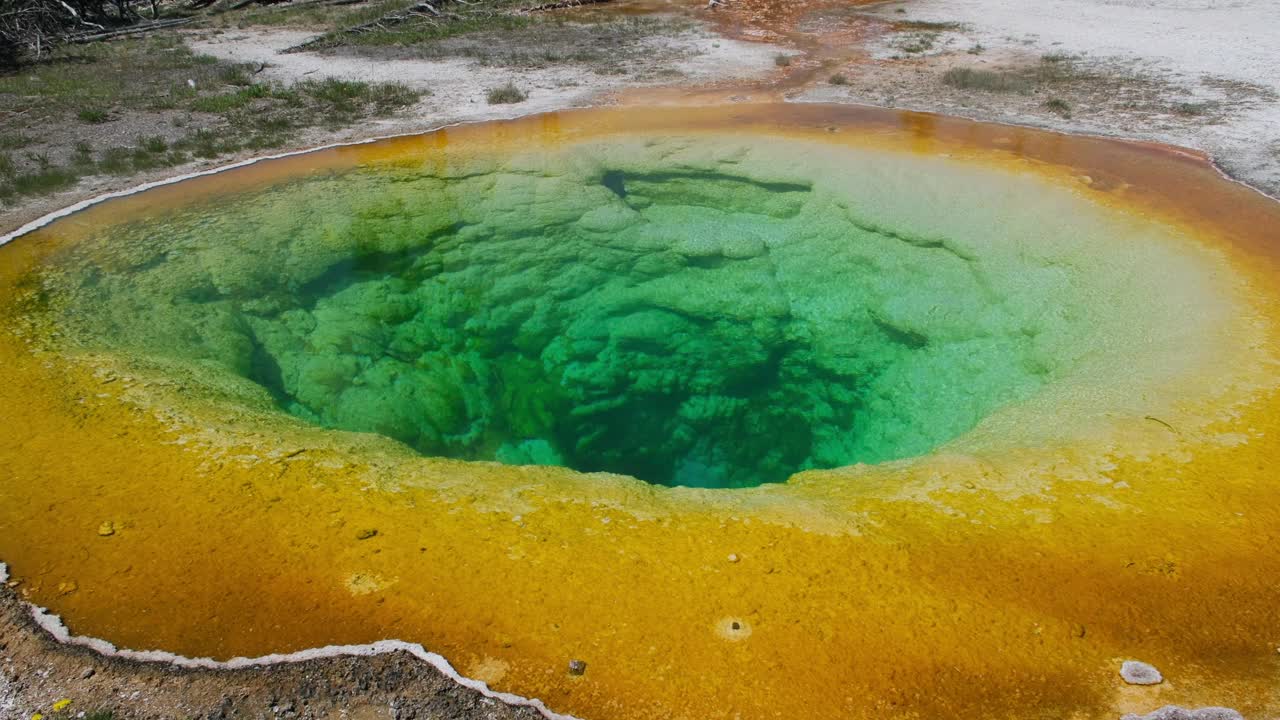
(36,672)
(573,65)
(1201,74)
(457,79)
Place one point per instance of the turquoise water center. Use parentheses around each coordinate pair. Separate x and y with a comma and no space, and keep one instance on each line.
(699,311)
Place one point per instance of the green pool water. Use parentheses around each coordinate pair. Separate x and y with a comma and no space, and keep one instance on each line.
(690,312)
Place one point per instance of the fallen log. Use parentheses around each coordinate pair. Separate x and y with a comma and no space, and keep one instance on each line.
(131,30)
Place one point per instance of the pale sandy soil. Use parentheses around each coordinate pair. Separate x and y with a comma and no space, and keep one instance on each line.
(1203,74)
(457,87)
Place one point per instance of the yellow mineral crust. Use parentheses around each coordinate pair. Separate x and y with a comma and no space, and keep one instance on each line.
(991,579)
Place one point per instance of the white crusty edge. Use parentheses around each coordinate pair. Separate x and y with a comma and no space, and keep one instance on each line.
(53,625)
(57,214)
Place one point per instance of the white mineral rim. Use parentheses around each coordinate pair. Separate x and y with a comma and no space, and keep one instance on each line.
(77,207)
(53,625)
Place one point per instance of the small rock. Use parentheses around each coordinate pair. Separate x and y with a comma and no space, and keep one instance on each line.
(366,534)
(1173,712)
(1216,713)
(107,529)
(88,673)
(68,587)
(1168,712)
(733,557)
(1140,673)
(577,667)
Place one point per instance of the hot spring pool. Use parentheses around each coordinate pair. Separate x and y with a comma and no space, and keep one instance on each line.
(747,407)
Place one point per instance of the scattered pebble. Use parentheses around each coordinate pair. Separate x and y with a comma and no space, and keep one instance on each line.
(366,534)
(733,557)
(107,529)
(577,667)
(1173,712)
(1140,673)
(88,673)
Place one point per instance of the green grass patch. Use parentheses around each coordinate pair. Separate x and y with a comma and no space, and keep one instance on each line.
(505,94)
(92,115)
(230,101)
(128,74)
(218,106)
(39,182)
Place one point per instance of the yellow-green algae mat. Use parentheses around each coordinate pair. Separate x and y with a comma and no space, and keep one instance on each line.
(759,411)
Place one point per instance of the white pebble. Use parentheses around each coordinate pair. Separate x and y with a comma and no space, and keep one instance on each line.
(1140,673)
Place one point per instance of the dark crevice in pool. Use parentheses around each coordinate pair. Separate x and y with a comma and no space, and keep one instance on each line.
(686,328)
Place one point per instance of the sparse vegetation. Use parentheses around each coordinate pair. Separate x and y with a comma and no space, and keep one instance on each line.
(402,22)
(319,16)
(988,80)
(505,94)
(930,25)
(1059,106)
(977,49)
(782,60)
(206,108)
(838,79)
(92,115)
(604,44)
(1193,108)
(916,43)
